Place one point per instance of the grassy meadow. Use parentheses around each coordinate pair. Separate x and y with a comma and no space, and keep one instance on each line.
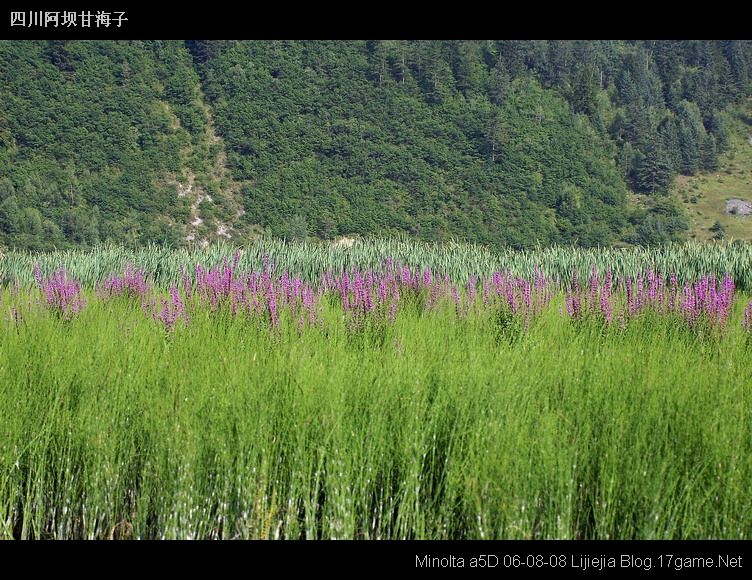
(704,195)
(442,422)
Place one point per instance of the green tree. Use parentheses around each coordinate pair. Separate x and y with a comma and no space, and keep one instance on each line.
(298,228)
(719,232)
(653,173)
(10,216)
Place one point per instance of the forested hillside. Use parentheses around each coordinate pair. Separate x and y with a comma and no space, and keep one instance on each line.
(512,143)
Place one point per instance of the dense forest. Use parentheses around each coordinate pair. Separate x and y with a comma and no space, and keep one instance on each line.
(508,143)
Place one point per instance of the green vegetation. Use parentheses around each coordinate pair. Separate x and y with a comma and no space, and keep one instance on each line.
(506,143)
(524,351)
(163,265)
(704,195)
(88,131)
(439,429)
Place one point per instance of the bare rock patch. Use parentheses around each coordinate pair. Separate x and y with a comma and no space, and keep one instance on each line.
(738,207)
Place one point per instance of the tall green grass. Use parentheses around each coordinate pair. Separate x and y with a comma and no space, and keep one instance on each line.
(459,261)
(436,427)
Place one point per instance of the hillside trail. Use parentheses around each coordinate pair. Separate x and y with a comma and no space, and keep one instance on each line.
(187,186)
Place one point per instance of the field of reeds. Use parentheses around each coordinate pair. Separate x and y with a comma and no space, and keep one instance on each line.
(388,391)
(459,261)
